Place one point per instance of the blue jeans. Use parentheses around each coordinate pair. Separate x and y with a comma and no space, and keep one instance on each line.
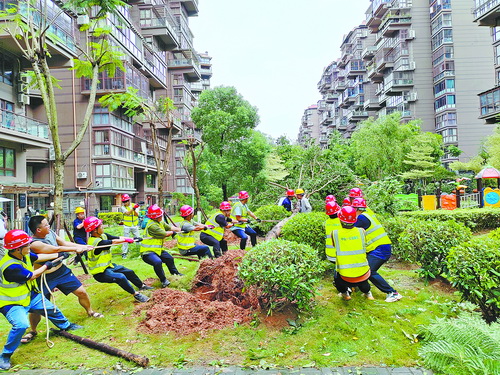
(243,235)
(200,250)
(157,262)
(121,276)
(18,318)
(376,279)
(219,247)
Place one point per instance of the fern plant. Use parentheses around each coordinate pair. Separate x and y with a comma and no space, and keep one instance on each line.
(465,345)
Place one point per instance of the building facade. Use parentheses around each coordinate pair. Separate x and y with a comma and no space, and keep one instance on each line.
(309,128)
(115,156)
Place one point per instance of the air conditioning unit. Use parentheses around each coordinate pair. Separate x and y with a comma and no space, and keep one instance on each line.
(82,20)
(23,99)
(81,175)
(24,88)
(97,183)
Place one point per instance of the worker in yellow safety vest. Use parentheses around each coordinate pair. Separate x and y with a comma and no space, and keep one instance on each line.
(240,214)
(214,234)
(186,238)
(100,262)
(19,293)
(352,269)
(378,247)
(333,222)
(130,221)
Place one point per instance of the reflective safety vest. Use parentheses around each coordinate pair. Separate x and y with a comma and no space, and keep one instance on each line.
(244,215)
(15,293)
(186,241)
(130,220)
(330,226)
(154,245)
(218,231)
(375,234)
(350,252)
(99,263)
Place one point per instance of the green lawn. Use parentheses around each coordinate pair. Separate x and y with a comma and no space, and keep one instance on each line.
(337,333)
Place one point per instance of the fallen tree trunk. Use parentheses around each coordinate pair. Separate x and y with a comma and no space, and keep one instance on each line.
(141,361)
(276,231)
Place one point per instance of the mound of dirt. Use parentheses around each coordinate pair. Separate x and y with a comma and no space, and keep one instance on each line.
(217,280)
(185,313)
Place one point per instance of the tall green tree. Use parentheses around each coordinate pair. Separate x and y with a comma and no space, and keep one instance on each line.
(234,153)
(380,146)
(32,29)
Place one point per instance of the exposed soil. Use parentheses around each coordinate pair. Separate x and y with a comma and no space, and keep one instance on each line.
(217,300)
(443,285)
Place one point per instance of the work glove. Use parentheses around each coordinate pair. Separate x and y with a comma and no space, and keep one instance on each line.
(137,239)
(136,206)
(229,220)
(209,227)
(54,263)
(129,240)
(258,220)
(63,254)
(174,234)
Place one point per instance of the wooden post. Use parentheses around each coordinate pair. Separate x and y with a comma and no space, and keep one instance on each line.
(419,192)
(438,198)
(457,194)
(481,192)
(141,361)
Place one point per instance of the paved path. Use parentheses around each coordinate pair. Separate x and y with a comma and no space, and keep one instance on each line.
(241,371)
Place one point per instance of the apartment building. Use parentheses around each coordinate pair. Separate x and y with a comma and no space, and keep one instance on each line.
(116,156)
(421,58)
(309,128)
(487,13)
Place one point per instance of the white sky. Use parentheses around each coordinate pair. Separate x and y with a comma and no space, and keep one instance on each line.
(274,51)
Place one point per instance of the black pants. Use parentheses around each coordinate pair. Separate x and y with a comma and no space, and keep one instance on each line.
(342,285)
(216,245)
(157,262)
(121,276)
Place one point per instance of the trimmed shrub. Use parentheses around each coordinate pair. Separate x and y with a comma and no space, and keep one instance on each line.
(394,226)
(111,218)
(474,269)
(284,271)
(429,242)
(308,229)
(466,345)
(475,218)
(269,212)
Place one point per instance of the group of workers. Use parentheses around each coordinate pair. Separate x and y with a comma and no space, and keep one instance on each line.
(356,242)
(302,205)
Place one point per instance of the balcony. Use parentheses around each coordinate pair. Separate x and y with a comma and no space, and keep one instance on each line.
(374,74)
(355,68)
(487,13)
(490,105)
(393,23)
(385,62)
(339,86)
(369,52)
(163,29)
(61,27)
(371,104)
(396,86)
(191,67)
(191,7)
(21,129)
(357,116)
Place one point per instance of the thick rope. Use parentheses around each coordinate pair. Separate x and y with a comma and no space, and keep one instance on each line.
(49,343)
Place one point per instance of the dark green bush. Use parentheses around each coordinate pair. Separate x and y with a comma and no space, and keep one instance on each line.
(429,242)
(474,269)
(285,272)
(475,218)
(308,229)
(269,212)
(394,226)
(466,345)
(111,218)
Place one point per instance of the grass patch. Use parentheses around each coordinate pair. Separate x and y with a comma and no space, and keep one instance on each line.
(336,333)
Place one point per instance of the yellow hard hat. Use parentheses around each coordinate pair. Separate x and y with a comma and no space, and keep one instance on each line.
(299,191)
(79,210)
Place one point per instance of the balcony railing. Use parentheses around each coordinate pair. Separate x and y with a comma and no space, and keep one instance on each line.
(22,124)
(490,104)
(483,7)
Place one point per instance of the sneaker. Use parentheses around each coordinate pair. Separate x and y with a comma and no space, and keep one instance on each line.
(146,287)
(124,256)
(346,296)
(141,297)
(4,362)
(165,283)
(73,326)
(393,297)
(178,274)
(369,296)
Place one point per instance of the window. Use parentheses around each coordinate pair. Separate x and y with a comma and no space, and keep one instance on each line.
(447,101)
(101,142)
(6,69)
(443,36)
(495,33)
(446,119)
(7,161)
(7,114)
(446,86)
(179,169)
(106,201)
(151,181)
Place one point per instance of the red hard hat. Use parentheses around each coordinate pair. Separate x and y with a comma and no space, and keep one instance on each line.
(154,212)
(15,239)
(356,193)
(347,215)
(243,194)
(290,193)
(346,202)
(225,206)
(359,203)
(91,223)
(186,210)
(330,198)
(331,208)
(125,197)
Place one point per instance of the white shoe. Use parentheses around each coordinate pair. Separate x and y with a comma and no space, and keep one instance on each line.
(369,295)
(346,296)
(393,297)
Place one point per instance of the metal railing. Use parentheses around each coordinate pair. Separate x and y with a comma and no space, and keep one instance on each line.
(13,121)
(470,200)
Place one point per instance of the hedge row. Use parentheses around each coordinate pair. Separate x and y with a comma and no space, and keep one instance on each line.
(474,218)
(111,218)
